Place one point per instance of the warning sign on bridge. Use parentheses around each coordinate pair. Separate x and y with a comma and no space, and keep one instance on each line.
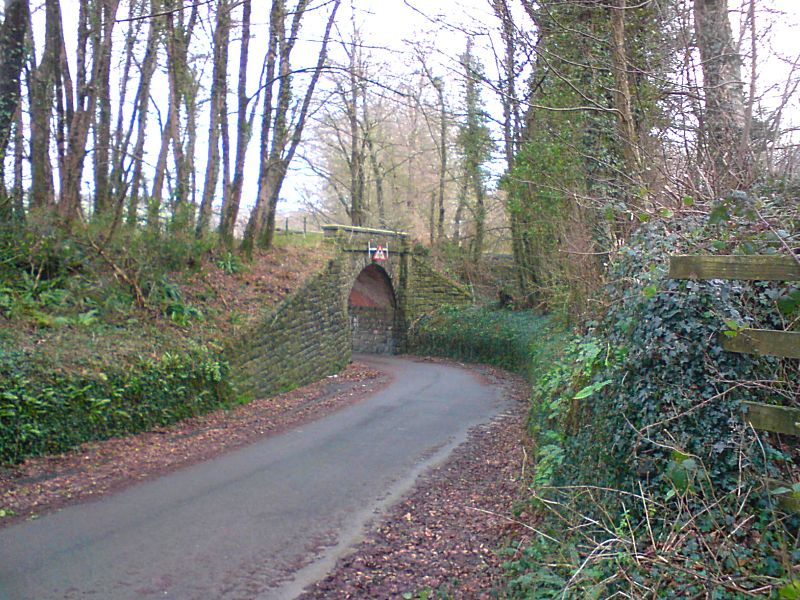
(378,253)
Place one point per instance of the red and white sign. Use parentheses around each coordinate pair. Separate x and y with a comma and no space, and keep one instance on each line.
(379,253)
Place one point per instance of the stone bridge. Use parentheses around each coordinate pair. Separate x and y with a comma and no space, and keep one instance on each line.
(366,299)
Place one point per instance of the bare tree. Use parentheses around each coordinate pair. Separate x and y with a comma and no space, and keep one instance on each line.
(219,90)
(230,209)
(87,89)
(280,133)
(142,103)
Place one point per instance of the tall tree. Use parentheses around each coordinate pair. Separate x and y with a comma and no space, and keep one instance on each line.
(476,146)
(217,114)
(230,210)
(509,72)
(13,32)
(81,110)
(147,69)
(724,116)
(440,136)
(102,113)
(42,93)
(280,133)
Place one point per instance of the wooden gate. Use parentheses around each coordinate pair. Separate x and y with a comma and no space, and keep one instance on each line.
(762,342)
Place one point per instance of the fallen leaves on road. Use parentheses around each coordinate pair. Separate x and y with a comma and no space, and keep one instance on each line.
(43,484)
(443,539)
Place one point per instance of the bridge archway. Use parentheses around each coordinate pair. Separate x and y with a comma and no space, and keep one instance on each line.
(372,308)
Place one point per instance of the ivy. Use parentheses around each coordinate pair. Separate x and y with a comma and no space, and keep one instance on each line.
(646,481)
(48,413)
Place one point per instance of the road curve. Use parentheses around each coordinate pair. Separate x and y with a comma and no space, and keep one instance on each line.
(261,521)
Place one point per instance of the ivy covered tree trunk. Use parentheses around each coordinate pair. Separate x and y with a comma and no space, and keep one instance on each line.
(476,146)
(724,116)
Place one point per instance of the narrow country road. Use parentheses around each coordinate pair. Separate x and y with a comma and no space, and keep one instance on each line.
(259,522)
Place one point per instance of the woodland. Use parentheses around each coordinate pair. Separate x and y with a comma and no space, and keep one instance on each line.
(144,142)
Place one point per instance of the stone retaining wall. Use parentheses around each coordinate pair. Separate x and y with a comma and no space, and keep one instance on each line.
(309,335)
(305,339)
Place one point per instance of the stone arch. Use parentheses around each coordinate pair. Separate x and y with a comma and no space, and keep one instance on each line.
(372,310)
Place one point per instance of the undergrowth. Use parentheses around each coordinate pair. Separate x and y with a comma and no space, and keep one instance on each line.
(648,484)
(647,481)
(519,341)
(99,339)
(46,412)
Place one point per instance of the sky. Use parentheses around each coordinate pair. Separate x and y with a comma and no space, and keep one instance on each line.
(390,26)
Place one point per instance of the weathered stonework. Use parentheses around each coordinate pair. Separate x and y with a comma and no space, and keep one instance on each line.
(311,334)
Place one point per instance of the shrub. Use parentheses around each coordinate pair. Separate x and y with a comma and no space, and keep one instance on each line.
(514,340)
(648,482)
(45,413)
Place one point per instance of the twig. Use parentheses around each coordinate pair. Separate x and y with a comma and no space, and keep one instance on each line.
(515,521)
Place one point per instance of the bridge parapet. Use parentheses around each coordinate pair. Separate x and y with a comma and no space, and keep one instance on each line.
(357,239)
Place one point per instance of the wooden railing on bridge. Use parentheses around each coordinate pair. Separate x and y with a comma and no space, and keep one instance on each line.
(763,342)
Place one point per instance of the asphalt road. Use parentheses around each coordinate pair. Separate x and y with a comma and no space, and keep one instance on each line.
(259,522)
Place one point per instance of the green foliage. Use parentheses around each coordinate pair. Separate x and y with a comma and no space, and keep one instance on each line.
(571,196)
(230,263)
(51,412)
(641,449)
(555,410)
(517,341)
(169,297)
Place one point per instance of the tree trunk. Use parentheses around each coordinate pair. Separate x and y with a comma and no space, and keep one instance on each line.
(219,89)
(352,98)
(88,90)
(442,158)
(724,117)
(622,98)
(42,88)
(12,57)
(258,216)
(231,209)
(102,124)
(19,155)
(463,187)
(284,139)
(154,202)
(175,64)
(480,219)
(148,68)
(378,176)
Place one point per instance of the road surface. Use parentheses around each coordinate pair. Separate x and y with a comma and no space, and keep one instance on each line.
(259,522)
